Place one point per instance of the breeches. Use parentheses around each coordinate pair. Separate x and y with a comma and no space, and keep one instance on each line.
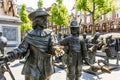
(74,71)
(29,77)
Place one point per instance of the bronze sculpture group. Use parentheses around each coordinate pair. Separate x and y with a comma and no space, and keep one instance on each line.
(110,50)
(42,45)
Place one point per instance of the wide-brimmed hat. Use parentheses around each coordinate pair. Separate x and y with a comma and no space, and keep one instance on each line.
(74,24)
(38,12)
(97,34)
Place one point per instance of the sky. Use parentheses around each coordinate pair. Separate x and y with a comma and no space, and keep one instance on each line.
(47,3)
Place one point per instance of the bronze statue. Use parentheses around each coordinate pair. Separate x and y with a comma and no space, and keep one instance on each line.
(40,43)
(111,42)
(98,68)
(110,50)
(76,52)
(86,44)
(3,43)
(10,8)
(93,45)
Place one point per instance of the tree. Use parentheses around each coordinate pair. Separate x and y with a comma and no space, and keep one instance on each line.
(96,8)
(59,14)
(27,24)
(40,3)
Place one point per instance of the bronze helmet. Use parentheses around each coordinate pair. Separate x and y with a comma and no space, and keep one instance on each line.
(36,13)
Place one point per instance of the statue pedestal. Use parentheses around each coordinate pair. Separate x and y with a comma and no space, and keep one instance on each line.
(10,27)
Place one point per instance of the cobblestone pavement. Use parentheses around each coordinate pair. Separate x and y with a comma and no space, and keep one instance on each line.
(60,74)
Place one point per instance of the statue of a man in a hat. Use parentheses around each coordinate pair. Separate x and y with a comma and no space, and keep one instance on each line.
(93,45)
(76,51)
(39,42)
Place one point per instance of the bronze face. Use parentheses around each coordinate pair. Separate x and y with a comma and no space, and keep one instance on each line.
(39,22)
(74,30)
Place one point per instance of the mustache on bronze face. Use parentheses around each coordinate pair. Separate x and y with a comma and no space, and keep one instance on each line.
(35,25)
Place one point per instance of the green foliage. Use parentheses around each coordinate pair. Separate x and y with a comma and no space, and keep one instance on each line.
(40,3)
(23,14)
(96,8)
(59,15)
(27,24)
(59,1)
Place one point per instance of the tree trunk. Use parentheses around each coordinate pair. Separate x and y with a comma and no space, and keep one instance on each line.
(22,35)
(93,19)
(93,25)
(60,28)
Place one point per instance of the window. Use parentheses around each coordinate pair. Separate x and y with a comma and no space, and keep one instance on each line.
(88,19)
(117,14)
(102,17)
(109,16)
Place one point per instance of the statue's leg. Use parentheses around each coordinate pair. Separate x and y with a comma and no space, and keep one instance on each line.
(117,59)
(77,78)
(107,58)
(89,57)
(71,73)
(78,71)
(48,78)
(107,55)
(92,58)
(29,77)
(78,75)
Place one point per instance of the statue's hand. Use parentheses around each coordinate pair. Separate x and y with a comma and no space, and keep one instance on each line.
(58,50)
(10,56)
